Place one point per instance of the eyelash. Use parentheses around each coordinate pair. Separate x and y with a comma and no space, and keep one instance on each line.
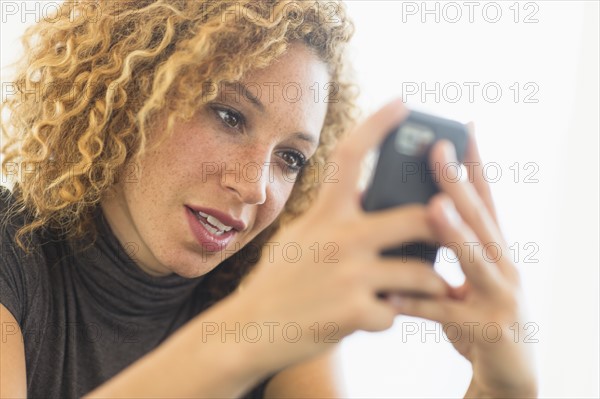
(241,120)
(301,158)
(300,163)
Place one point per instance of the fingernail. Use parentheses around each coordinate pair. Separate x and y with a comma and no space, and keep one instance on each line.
(450,213)
(398,101)
(471,129)
(449,151)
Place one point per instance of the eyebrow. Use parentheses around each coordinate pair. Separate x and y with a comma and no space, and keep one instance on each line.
(306,137)
(240,88)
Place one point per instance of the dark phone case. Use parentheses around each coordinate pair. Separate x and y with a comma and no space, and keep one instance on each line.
(401,179)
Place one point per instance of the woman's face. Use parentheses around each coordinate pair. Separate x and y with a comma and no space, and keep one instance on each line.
(235,161)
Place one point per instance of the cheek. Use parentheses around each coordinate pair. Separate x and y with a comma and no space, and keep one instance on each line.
(277,196)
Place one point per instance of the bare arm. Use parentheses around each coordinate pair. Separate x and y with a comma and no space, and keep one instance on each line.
(474,392)
(319,377)
(12,358)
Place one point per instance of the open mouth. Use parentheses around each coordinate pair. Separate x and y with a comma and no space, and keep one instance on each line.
(212,224)
(210,233)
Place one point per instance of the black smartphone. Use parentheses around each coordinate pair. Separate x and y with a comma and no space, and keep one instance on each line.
(403,174)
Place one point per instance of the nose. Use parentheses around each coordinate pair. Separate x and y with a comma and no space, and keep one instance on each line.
(248,180)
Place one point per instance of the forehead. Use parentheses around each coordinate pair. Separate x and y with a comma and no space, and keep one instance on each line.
(297,65)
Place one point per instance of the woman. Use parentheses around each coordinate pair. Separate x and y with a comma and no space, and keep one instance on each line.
(156,149)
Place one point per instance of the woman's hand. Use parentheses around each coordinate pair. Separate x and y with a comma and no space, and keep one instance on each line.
(321,274)
(484,317)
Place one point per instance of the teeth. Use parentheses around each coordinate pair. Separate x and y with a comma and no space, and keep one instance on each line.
(210,228)
(217,223)
(214,222)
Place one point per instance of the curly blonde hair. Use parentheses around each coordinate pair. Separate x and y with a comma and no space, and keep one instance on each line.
(98,74)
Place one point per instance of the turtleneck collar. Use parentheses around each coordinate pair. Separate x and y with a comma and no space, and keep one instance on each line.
(120,286)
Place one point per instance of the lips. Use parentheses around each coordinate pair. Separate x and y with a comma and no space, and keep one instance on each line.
(222,218)
(213,229)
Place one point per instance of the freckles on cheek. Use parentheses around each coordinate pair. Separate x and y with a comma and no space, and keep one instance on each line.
(278,197)
(275,206)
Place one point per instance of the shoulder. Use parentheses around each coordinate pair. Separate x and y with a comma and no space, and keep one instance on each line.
(10,222)
(10,219)
(21,272)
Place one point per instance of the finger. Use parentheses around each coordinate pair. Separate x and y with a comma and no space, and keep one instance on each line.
(468,202)
(461,291)
(349,154)
(474,166)
(410,276)
(379,316)
(394,226)
(440,309)
(477,261)
(473,208)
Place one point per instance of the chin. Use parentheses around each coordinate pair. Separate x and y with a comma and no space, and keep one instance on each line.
(187,259)
(189,268)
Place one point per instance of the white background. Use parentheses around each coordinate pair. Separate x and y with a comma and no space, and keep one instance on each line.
(398,46)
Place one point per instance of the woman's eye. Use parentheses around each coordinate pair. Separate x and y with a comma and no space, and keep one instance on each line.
(294,160)
(230,118)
